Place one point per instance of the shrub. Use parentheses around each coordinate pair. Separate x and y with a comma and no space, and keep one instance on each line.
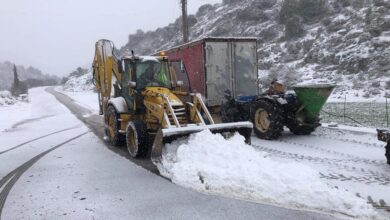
(293,27)
(388,85)
(376,84)
(309,10)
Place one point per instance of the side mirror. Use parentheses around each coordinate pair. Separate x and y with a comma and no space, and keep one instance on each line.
(132,84)
(179,83)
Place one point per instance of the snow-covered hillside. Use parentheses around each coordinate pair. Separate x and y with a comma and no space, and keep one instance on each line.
(32,76)
(79,83)
(81,90)
(346,42)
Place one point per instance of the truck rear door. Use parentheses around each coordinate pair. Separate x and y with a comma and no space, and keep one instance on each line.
(219,71)
(245,68)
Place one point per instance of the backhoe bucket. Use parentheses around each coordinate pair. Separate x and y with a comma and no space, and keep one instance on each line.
(167,135)
(313,98)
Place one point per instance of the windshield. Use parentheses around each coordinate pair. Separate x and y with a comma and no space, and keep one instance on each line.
(153,73)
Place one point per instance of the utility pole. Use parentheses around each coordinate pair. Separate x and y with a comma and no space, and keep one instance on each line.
(184,21)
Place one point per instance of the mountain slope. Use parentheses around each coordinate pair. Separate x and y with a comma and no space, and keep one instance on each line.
(32,76)
(345,42)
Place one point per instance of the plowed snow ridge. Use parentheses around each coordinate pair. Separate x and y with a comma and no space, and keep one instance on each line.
(208,163)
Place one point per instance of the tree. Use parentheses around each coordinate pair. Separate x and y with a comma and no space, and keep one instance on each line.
(17,86)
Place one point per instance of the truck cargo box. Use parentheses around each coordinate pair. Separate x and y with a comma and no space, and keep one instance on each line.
(215,65)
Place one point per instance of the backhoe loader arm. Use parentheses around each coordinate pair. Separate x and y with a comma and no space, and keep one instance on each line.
(105,71)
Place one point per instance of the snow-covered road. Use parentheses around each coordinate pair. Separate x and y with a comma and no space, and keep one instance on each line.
(345,159)
(339,157)
(53,167)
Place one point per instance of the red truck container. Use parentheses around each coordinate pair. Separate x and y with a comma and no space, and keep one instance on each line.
(215,65)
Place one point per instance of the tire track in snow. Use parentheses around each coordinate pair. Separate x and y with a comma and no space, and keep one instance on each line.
(95,124)
(371,176)
(361,179)
(347,140)
(381,204)
(351,157)
(38,138)
(30,120)
(7,182)
(380,178)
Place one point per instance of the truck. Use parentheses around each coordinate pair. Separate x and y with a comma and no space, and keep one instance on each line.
(225,72)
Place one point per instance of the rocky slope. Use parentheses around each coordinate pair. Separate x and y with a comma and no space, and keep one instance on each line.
(341,41)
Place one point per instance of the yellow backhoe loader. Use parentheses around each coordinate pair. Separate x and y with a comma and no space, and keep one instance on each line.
(147,99)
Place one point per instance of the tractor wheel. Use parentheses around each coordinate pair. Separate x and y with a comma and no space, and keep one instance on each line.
(299,129)
(267,120)
(137,139)
(113,127)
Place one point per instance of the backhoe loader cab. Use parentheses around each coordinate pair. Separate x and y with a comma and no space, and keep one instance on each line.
(146,99)
(148,72)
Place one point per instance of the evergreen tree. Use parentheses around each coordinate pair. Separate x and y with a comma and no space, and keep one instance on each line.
(17,86)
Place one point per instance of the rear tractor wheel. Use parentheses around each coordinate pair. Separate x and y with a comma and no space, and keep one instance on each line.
(113,127)
(267,119)
(137,139)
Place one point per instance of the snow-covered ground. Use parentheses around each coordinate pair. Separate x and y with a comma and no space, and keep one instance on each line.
(20,110)
(80,83)
(81,89)
(335,170)
(53,167)
(211,164)
(87,98)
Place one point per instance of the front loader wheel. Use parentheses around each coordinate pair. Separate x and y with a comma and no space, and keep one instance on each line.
(137,139)
(113,127)
(267,119)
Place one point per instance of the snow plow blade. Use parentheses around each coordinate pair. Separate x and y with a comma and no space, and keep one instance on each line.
(167,135)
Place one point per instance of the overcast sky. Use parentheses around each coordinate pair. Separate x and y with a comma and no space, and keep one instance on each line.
(57,36)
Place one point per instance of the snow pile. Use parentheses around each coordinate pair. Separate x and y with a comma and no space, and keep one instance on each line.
(79,83)
(207,162)
(6,98)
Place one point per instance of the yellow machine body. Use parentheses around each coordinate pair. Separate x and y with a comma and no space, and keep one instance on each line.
(128,98)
